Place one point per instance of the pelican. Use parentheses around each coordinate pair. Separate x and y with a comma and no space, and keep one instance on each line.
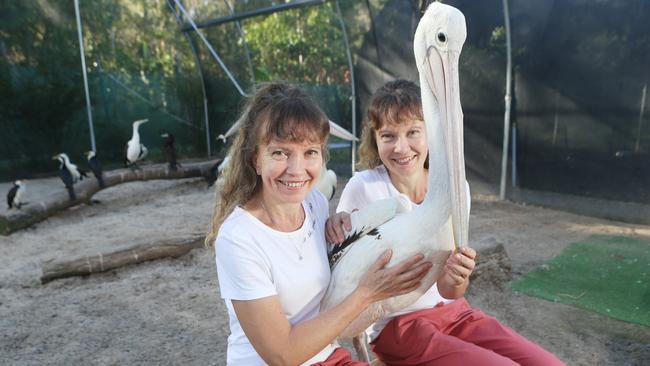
(326,183)
(15,193)
(134,150)
(438,225)
(169,151)
(96,167)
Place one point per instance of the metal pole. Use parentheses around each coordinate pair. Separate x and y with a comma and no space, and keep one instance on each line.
(641,111)
(508,100)
(243,38)
(254,13)
(514,155)
(199,66)
(83,69)
(353,97)
(212,51)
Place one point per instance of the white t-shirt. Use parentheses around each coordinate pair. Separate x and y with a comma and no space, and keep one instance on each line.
(362,189)
(255,261)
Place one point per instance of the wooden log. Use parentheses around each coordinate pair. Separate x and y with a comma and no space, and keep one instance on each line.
(102,262)
(40,210)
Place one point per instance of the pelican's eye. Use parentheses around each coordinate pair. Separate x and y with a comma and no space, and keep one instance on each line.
(442,38)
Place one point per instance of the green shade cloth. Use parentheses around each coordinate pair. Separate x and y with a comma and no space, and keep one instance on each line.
(606,274)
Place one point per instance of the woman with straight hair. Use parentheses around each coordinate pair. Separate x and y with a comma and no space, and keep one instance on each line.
(440,328)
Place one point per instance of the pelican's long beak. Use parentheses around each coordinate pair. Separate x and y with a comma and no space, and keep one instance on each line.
(341,132)
(236,126)
(442,77)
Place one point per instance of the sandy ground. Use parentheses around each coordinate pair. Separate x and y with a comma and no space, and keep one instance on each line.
(169,312)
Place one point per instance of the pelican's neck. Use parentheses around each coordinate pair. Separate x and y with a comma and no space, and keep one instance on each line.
(436,202)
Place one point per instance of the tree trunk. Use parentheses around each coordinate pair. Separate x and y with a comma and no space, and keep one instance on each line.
(142,252)
(50,205)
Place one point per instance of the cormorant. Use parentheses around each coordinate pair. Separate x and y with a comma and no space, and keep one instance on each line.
(169,151)
(96,167)
(134,150)
(14,194)
(69,174)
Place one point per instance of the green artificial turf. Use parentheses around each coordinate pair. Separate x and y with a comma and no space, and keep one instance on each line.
(606,274)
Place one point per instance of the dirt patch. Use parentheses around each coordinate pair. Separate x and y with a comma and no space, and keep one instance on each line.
(169,311)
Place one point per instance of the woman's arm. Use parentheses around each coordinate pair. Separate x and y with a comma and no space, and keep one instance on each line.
(336,226)
(279,343)
(455,277)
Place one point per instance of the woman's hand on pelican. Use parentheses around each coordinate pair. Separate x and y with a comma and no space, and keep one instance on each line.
(336,227)
(379,283)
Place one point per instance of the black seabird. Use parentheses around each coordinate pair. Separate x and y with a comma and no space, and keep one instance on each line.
(15,193)
(169,151)
(68,173)
(96,167)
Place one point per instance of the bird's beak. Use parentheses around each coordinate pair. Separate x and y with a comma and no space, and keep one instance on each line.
(164,135)
(442,77)
(341,132)
(55,157)
(141,121)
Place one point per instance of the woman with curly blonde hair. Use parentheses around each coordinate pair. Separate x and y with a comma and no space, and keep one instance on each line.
(271,255)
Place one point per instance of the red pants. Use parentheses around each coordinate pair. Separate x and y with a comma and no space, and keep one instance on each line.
(340,357)
(455,334)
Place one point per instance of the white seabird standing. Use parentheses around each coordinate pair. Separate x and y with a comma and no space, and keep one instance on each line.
(135,150)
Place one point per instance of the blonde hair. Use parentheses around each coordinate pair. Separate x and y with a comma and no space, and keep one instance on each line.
(276,111)
(394,103)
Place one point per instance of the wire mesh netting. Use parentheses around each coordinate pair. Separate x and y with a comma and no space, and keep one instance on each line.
(138,66)
(580,79)
(145,60)
(580,90)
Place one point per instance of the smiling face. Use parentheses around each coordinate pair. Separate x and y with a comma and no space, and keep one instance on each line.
(403,147)
(288,170)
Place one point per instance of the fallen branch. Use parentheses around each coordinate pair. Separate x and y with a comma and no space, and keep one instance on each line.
(102,262)
(40,210)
